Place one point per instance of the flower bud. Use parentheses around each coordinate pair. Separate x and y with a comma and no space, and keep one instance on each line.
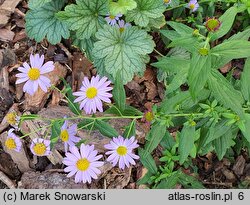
(203,51)
(213,24)
(196,32)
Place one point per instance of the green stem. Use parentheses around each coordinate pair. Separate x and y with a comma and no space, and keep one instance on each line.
(206,42)
(69,101)
(92,118)
(85,125)
(158,53)
(117,110)
(179,115)
(35,131)
(92,127)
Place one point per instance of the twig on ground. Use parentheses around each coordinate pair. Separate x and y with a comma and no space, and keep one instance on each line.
(226,184)
(6,180)
(65,50)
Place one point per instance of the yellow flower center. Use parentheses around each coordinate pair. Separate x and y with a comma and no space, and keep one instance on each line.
(39,148)
(82,164)
(203,51)
(11,118)
(10,143)
(64,135)
(112,17)
(149,116)
(34,73)
(121,29)
(121,150)
(166,1)
(91,92)
(213,24)
(192,6)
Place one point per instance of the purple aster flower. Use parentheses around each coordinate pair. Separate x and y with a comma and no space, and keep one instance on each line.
(13,142)
(33,75)
(122,25)
(40,147)
(84,163)
(111,19)
(92,93)
(68,135)
(121,151)
(193,5)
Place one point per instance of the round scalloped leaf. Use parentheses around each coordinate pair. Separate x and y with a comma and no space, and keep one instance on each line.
(41,23)
(122,51)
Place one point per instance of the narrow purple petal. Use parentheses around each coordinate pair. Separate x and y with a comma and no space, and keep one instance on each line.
(21,80)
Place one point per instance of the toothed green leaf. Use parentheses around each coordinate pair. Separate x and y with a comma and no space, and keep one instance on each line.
(122,51)
(41,23)
(145,11)
(85,17)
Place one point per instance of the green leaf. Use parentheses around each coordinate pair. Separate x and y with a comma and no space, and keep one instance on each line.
(178,79)
(82,141)
(100,66)
(215,132)
(167,141)
(172,64)
(29,117)
(74,107)
(34,4)
(176,65)
(170,182)
(85,17)
(146,179)
(190,182)
(121,6)
(157,23)
(244,35)
(222,144)
(198,73)
(86,124)
(244,80)
(190,43)
(155,136)
(169,105)
(131,111)
(119,94)
(182,36)
(55,133)
(193,152)
(225,52)
(122,52)
(181,28)
(85,45)
(113,110)
(106,129)
(186,142)
(170,34)
(145,11)
(227,20)
(147,161)
(246,132)
(41,23)
(130,130)
(225,93)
